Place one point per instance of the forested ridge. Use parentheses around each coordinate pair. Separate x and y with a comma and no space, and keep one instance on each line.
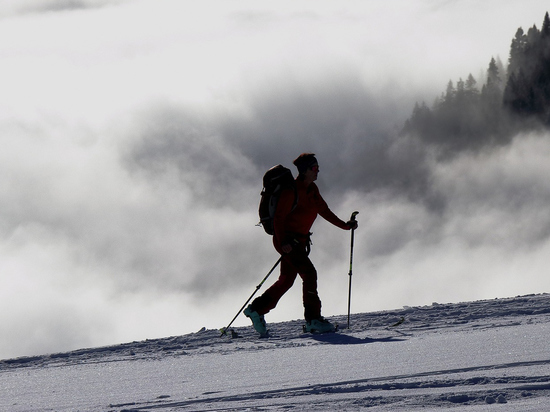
(512,98)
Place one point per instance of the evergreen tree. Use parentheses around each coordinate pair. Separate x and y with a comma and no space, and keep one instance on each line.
(460,89)
(470,90)
(491,93)
(449,93)
(527,91)
(545,31)
(517,50)
(493,76)
(544,83)
(533,35)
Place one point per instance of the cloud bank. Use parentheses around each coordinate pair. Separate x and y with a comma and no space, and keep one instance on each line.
(133,159)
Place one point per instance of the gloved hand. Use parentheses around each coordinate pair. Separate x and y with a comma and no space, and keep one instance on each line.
(352,224)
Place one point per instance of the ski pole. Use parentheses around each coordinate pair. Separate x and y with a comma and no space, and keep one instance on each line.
(224,330)
(352,219)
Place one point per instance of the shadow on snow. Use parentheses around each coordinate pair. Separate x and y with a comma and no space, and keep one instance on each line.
(343,339)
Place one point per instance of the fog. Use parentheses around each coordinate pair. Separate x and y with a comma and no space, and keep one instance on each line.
(136,135)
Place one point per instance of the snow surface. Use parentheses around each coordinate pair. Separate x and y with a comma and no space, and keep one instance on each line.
(488,355)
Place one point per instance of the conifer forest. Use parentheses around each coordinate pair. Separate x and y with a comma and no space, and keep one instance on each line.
(474,113)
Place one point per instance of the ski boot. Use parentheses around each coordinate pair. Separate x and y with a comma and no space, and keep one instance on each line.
(320,325)
(258,320)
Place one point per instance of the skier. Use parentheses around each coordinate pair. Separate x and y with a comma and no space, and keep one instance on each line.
(292,222)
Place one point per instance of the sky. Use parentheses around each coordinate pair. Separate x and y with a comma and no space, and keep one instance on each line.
(135,135)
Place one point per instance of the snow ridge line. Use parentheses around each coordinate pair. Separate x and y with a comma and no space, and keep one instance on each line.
(460,316)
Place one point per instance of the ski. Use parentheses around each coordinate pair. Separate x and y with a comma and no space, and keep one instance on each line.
(267,335)
(315,332)
(234,334)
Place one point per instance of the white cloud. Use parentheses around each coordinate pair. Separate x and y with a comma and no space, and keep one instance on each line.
(135,135)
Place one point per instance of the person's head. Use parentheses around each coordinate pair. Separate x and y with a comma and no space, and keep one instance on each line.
(307,165)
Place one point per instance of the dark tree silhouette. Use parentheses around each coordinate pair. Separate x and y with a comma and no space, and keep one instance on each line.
(527,92)
(465,118)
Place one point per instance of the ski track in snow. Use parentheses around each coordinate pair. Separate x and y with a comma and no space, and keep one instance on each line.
(510,377)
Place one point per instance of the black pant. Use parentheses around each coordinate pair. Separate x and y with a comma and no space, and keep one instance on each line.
(294,263)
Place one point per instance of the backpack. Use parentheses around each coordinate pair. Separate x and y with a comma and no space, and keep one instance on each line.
(275,180)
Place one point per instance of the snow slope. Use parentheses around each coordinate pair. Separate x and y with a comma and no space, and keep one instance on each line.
(479,356)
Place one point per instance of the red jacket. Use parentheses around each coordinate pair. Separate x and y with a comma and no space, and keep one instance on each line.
(288,221)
